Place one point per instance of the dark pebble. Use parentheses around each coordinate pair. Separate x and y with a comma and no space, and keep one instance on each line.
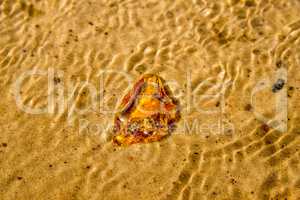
(278,85)
(265,128)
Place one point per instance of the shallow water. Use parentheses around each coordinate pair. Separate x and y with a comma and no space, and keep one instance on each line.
(64,65)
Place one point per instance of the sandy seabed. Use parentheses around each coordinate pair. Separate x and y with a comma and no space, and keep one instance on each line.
(233,65)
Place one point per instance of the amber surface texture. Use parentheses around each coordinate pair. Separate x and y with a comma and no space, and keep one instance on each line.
(147,113)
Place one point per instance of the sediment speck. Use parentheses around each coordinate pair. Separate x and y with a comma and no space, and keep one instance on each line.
(278,85)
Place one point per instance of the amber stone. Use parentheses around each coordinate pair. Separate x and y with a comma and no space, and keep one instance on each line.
(148,113)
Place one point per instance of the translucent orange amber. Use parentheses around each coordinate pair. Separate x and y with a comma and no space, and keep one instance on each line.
(148,113)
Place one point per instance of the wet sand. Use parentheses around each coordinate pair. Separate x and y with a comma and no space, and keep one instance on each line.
(233,65)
